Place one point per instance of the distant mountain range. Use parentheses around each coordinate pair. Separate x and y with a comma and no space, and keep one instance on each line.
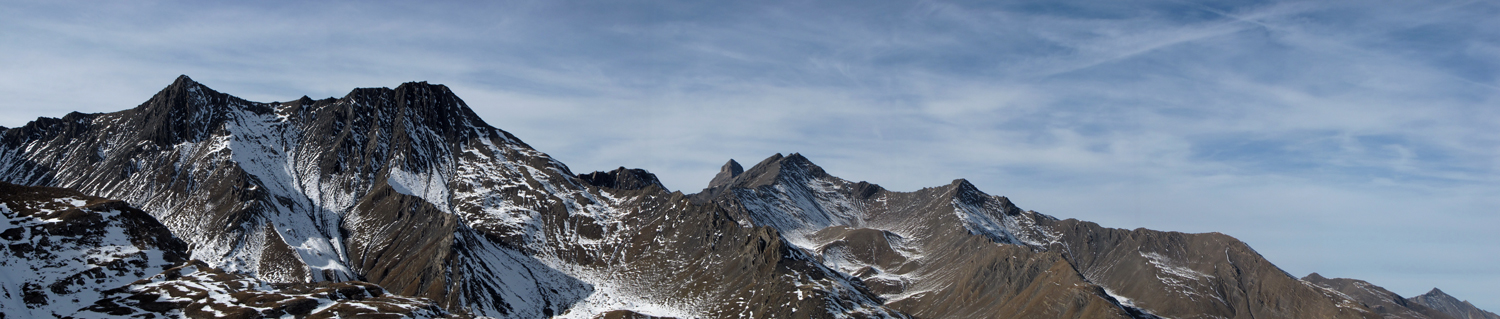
(403,202)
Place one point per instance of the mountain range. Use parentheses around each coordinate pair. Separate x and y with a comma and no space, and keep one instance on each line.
(403,202)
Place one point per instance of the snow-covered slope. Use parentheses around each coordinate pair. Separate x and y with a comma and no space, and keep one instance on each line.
(59,249)
(195,290)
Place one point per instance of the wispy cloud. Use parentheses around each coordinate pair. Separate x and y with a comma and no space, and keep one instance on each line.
(1353,138)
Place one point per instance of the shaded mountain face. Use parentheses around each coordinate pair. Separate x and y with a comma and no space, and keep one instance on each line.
(1442,302)
(403,198)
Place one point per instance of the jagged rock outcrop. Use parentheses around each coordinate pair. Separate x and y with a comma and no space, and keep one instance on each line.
(1442,302)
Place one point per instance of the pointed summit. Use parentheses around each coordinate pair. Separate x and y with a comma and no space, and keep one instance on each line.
(1452,306)
(1435,292)
(793,168)
(1314,277)
(183,80)
(797,158)
(183,111)
(778,167)
(727,173)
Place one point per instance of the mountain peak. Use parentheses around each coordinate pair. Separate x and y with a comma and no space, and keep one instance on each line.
(183,80)
(424,85)
(797,158)
(727,173)
(778,167)
(422,104)
(622,178)
(182,83)
(768,172)
(965,191)
(1314,277)
(183,111)
(732,167)
(436,98)
(1448,304)
(1436,293)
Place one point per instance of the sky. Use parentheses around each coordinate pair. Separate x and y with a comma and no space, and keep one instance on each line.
(1350,138)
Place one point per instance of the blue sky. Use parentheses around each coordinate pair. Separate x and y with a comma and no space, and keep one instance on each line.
(1351,138)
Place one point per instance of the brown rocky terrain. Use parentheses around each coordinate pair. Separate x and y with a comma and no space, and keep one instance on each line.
(1384,302)
(1442,302)
(954,251)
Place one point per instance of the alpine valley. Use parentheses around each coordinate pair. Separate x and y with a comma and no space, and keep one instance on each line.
(404,203)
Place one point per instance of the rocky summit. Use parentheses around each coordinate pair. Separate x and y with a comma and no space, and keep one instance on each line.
(404,203)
